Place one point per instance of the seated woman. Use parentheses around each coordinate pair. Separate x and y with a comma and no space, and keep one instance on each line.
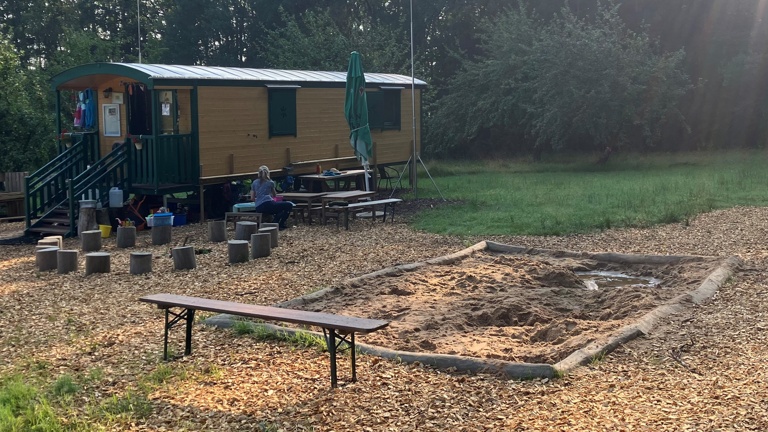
(263,195)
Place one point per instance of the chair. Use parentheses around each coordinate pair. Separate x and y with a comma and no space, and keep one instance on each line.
(389,175)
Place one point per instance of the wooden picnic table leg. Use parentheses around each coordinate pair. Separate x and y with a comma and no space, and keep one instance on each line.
(190,321)
(352,348)
(165,340)
(346,219)
(322,211)
(331,342)
(186,314)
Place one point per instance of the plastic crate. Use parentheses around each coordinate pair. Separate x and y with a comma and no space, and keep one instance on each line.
(162,219)
(179,219)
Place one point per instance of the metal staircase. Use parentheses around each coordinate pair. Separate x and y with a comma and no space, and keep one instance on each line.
(54,191)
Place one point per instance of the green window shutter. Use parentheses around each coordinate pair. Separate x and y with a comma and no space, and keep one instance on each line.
(375,118)
(384,109)
(282,112)
(392,109)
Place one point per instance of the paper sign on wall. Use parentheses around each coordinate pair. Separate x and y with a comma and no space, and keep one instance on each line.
(111,119)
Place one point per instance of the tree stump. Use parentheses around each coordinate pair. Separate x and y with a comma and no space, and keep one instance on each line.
(141,262)
(90,241)
(67,261)
(272,231)
(41,247)
(261,245)
(96,262)
(50,239)
(244,230)
(183,258)
(269,225)
(161,235)
(238,251)
(46,259)
(126,236)
(87,220)
(217,231)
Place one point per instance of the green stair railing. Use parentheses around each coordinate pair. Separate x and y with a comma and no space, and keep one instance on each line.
(92,182)
(47,187)
(96,181)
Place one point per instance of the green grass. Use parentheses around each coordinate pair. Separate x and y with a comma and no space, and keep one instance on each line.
(24,408)
(41,403)
(298,339)
(562,196)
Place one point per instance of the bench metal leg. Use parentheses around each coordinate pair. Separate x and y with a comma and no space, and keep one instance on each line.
(185,314)
(334,340)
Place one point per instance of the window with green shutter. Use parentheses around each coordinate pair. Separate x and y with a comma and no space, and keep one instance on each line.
(384,109)
(282,111)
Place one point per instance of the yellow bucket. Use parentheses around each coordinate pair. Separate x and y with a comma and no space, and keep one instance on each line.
(106,230)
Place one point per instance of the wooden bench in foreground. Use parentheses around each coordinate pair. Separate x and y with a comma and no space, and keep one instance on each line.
(337,329)
(368,205)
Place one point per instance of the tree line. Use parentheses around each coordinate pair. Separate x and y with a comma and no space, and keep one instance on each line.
(505,78)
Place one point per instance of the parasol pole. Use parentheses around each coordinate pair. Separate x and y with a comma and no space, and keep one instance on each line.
(138,26)
(414,155)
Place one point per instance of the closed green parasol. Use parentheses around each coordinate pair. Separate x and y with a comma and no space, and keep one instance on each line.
(356,112)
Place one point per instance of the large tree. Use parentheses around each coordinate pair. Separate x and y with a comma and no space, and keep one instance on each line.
(566,83)
(26,134)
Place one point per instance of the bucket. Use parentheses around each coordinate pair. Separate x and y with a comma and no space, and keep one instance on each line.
(87,203)
(115,197)
(106,230)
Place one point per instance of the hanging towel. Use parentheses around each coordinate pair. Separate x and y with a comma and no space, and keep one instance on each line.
(90,109)
(79,110)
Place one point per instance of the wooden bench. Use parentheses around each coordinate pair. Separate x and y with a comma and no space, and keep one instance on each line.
(367,205)
(337,329)
(303,211)
(234,217)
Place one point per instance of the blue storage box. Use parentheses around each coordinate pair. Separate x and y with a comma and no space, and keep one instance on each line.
(179,219)
(162,219)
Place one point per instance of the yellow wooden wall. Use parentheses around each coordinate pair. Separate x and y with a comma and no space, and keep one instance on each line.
(183,100)
(234,131)
(105,141)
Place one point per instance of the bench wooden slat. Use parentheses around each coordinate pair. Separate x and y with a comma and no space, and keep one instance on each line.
(320,319)
(374,203)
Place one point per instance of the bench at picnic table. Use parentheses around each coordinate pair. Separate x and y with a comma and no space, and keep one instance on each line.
(345,208)
(337,329)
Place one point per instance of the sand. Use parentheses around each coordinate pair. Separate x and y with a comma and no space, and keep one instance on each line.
(533,309)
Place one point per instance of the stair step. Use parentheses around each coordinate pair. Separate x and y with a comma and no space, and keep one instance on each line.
(50,229)
(56,219)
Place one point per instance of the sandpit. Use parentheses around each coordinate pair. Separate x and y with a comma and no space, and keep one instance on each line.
(507,305)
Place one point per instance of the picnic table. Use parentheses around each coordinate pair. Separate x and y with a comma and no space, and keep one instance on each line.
(303,200)
(346,197)
(328,183)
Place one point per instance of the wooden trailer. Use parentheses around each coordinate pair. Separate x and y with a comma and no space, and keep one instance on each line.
(160,129)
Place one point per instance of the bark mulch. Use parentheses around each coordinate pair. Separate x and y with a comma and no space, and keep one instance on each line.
(704,369)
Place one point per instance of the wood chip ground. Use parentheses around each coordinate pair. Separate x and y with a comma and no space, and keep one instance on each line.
(703,370)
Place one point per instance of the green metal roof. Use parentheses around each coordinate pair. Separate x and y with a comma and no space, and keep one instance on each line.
(158,74)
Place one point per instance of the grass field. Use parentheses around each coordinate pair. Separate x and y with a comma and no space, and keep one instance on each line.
(572,195)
